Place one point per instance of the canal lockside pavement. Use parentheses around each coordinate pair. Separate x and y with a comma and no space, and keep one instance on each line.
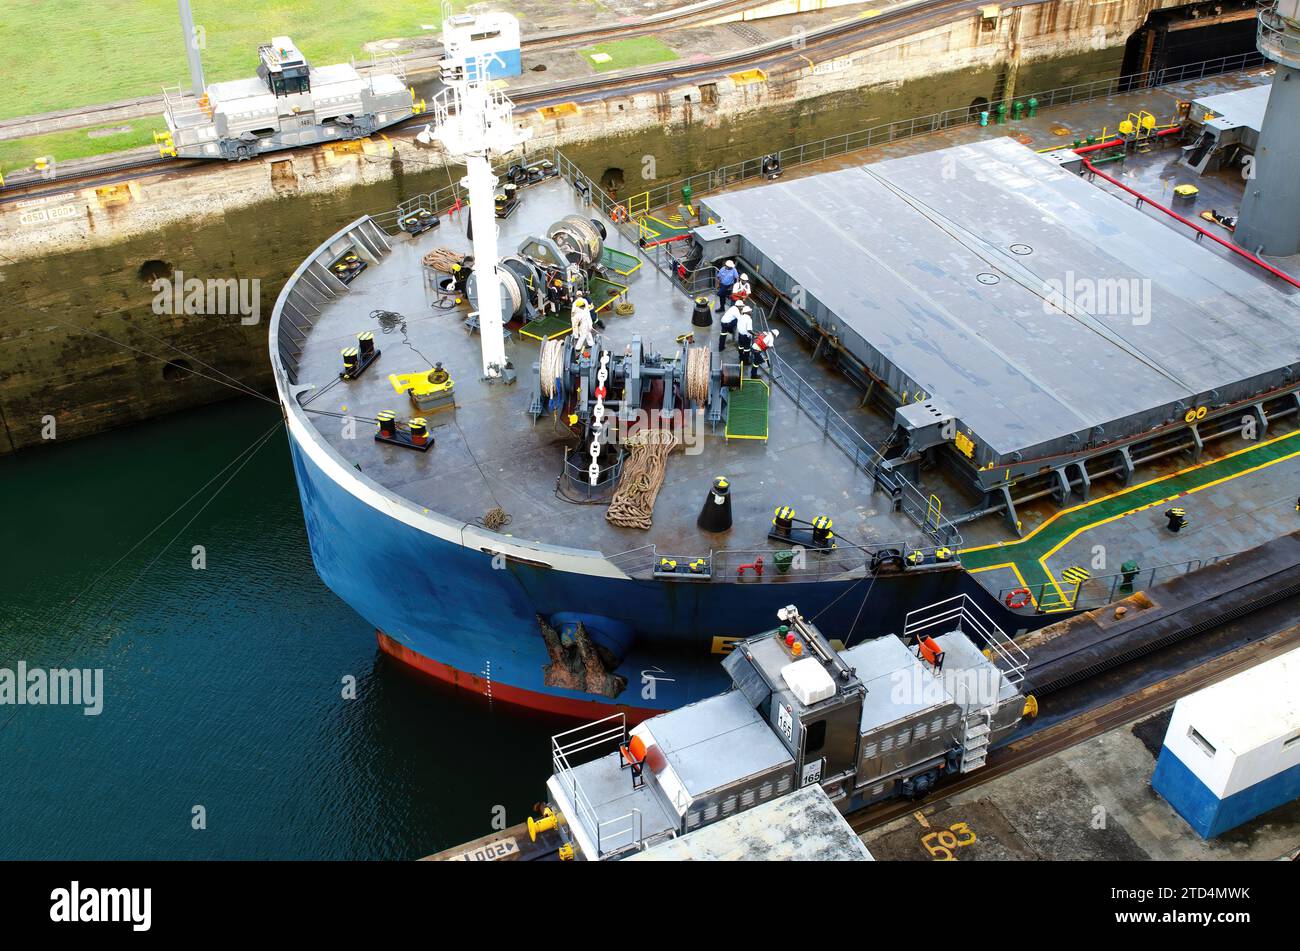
(1234,503)
(1092,801)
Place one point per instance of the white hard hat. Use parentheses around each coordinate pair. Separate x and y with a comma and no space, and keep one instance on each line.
(730,264)
(744,278)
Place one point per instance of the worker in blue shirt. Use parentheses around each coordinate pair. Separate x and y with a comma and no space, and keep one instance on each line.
(727,277)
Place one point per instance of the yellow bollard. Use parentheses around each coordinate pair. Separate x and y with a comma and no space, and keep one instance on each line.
(548,822)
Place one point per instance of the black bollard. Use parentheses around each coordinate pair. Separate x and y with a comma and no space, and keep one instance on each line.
(702,315)
(716,514)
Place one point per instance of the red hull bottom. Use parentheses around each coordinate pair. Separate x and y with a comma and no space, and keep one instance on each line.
(517,696)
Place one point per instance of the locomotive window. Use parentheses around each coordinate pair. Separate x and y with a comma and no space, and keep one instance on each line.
(814,737)
(1206,746)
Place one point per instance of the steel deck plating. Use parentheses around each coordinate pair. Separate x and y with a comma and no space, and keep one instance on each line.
(940,272)
(489,452)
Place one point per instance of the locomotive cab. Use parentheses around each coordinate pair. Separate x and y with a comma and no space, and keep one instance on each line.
(283,68)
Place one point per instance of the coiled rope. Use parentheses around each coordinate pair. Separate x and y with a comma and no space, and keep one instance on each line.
(644,469)
(495,519)
(443,259)
(550,366)
(697,375)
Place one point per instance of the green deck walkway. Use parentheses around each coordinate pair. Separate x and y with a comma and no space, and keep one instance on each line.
(747,410)
(1028,556)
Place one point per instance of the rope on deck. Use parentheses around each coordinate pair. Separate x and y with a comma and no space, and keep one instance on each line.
(633,503)
(442,259)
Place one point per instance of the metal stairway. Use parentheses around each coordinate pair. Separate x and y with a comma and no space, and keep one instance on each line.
(977,729)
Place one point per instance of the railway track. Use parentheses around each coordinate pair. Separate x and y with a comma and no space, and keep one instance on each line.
(426,60)
(833,39)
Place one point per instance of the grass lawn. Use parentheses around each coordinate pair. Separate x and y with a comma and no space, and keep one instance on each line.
(59,54)
(624,54)
(78,143)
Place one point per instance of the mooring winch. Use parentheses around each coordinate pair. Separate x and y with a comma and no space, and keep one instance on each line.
(568,378)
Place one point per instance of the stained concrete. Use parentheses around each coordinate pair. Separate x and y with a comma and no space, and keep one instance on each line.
(1093,802)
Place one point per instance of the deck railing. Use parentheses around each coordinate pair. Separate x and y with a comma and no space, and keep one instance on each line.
(961,613)
(592,741)
(793,563)
(1051,597)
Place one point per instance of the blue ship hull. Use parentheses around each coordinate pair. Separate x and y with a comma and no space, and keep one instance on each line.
(461,615)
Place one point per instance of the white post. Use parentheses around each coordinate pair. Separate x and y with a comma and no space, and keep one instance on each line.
(477,123)
(191,48)
(481,184)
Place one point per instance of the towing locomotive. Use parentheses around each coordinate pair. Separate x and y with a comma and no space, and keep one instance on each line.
(886,718)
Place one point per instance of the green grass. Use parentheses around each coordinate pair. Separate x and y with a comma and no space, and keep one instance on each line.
(60,54)
(624,54)
(78,143)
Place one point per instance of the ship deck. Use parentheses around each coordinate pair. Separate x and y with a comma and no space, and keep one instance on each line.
(489,453)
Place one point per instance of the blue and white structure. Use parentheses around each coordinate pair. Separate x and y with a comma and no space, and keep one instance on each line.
(485,45)
(1232,751)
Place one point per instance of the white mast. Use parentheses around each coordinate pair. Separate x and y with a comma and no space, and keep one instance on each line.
(476,122)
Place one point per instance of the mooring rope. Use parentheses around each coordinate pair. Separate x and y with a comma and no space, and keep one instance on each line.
(644,469)
(697,375)
(550,365)
(443,259)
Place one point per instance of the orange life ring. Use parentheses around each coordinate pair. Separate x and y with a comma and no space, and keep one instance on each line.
(1018,598)
(618,214)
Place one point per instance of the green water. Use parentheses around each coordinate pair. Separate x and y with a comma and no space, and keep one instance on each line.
(223,686)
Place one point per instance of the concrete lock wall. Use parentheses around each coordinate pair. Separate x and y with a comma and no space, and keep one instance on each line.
(86,258)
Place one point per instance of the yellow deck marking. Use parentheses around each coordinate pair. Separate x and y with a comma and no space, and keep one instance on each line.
(1141,508)
(1133,488)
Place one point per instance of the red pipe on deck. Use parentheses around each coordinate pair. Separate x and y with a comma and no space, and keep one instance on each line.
(1173,214)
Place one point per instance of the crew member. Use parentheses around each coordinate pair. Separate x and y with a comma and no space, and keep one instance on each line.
(580,319)
(555,294)
(740,293)
(759,355)
(727,325)
(745,333)
(727,276)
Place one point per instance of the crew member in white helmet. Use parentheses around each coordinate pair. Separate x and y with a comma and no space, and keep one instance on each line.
(727,325)
(758,357)
(580,319)
(742,290)
(727,275)
(745,333)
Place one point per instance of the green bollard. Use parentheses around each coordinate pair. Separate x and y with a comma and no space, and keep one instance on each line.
(687,194)
(1033,107)
(1002,113)
(1017,110)
(1128,574)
